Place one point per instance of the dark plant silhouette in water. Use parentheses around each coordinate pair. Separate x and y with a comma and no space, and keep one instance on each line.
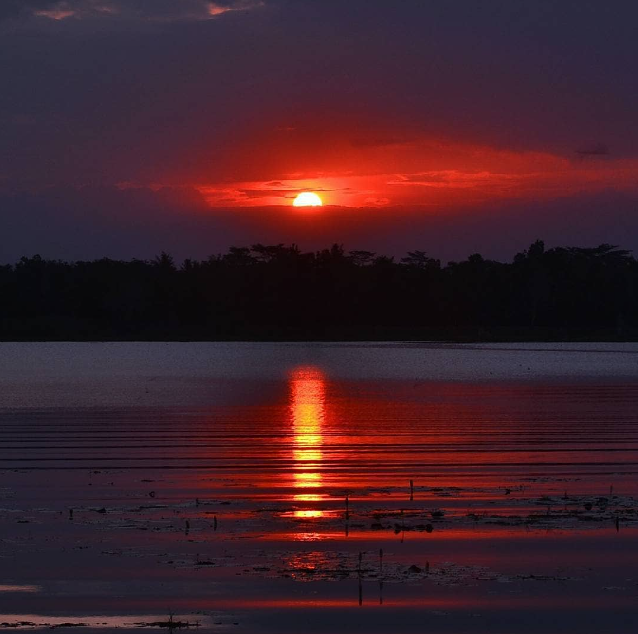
(274,292)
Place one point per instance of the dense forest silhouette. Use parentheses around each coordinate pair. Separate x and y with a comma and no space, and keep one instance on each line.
(281,293)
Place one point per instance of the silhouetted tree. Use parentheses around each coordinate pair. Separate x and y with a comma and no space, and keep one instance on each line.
(362,258)
(279,292)
(420,260)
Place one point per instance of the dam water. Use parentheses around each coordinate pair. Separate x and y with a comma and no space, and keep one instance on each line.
(319,487)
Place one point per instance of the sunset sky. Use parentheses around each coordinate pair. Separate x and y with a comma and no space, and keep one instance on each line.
(452,126)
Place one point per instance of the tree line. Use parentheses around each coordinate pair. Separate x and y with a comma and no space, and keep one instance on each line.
(279,292)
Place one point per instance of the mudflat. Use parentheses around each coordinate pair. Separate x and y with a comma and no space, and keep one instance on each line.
(319,487)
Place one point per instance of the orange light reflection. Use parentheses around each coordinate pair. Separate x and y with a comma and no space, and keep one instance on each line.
(307,412)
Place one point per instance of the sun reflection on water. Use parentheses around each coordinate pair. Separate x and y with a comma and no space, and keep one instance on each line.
(307,412)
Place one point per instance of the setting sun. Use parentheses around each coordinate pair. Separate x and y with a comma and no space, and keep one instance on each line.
(307,199)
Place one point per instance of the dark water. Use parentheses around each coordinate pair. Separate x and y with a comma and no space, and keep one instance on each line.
(320,488)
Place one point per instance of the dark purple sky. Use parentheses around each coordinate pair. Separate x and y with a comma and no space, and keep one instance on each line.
(452,126)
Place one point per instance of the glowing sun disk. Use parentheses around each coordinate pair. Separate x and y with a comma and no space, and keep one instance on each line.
(307,199)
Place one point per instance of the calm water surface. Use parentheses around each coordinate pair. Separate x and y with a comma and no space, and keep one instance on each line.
(320,488)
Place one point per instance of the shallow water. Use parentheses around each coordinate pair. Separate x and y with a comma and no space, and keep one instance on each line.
(319,488)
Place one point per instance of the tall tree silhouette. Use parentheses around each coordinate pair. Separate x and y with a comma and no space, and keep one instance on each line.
(279,292)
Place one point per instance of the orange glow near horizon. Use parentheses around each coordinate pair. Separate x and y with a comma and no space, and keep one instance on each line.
(307,411)
(418,172)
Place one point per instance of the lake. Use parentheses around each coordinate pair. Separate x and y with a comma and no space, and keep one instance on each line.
(288,488)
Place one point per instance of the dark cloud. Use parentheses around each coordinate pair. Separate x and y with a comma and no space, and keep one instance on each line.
(379,142)
(18,8)
(596,149)
(115,10)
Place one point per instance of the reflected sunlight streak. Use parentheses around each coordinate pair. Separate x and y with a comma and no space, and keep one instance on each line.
(307,411)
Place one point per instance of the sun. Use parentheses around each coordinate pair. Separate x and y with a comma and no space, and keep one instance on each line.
(307,199)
